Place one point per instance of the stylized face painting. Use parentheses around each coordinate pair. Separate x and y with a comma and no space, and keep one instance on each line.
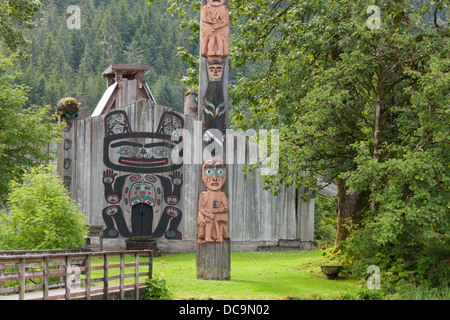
(142,189)
(170,124)
(139,152)
(133,153)
(117,123)
(214,175)
(215,71)
(143,152)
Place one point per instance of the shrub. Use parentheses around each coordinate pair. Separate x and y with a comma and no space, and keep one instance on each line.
(407,260)
(156,289)
(439,275)
(433,264)
(40,214)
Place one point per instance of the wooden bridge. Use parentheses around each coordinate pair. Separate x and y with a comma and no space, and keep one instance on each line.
(82,275)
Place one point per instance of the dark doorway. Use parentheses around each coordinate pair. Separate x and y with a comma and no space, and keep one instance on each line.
(141,220)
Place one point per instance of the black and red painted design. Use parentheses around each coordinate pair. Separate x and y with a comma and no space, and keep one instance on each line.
(142,152)
(143,196)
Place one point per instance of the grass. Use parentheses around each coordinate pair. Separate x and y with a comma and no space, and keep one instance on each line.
(422,292)
(254,275)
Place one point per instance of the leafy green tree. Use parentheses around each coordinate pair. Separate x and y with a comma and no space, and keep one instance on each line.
(368,110)
(41,214)
(358,125)
(25,132)
(16,17)
(410,226)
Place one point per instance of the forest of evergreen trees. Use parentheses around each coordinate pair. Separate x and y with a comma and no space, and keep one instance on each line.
(68,61)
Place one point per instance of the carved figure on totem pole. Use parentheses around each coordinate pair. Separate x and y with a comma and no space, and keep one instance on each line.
(215,30)
(212,216)
(213,101)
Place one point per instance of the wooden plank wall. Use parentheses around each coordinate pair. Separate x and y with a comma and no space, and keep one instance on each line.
(257,218)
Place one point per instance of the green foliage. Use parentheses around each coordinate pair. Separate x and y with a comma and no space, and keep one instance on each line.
(156,289)
(409,230)
(165,93)
(408,262)
(40,214)
(361,294)
(439,275)
(433,264)
(15,17)
(325,211)
(25,132)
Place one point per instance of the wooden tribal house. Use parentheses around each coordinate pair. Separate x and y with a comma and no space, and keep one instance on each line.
(121,165)
(125,86)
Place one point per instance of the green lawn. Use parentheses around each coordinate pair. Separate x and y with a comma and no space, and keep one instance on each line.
(254,275)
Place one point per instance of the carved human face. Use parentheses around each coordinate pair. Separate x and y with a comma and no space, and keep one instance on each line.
(215,71)
(214,175)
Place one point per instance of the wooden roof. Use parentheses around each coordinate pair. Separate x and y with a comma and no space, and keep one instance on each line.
(126,69)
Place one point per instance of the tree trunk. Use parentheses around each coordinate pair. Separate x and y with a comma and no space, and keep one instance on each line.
(350,206)
(376,135)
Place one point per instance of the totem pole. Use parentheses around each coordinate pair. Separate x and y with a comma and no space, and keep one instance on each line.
(213,241)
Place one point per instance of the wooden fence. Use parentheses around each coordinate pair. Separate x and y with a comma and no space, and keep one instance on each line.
(71,275)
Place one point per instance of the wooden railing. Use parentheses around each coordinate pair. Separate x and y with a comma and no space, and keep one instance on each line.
(34,276)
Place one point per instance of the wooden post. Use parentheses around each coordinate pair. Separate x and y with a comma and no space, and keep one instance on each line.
(213,243)
(87,271)
(45,276)
(105,276)
(150,264)
(2,271)
(213,260)
(136,274)
(22,279)
(68,271)
(122,274)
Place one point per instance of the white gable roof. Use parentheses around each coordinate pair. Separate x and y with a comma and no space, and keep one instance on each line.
(104,100)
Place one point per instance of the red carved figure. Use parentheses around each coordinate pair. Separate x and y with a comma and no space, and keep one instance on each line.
(212,217)
(215,30)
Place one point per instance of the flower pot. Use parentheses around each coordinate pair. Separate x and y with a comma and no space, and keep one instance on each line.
(332,272)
